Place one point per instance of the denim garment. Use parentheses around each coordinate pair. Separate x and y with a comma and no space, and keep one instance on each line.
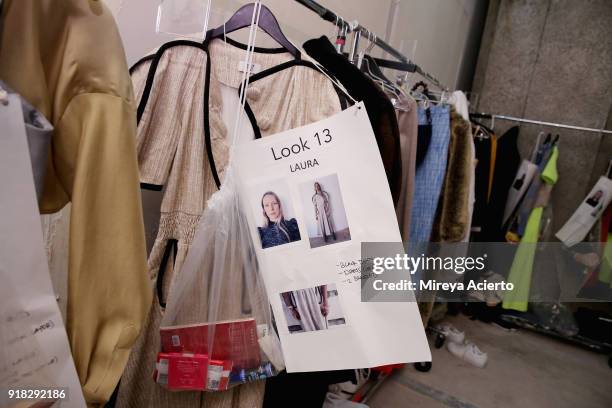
(430,173)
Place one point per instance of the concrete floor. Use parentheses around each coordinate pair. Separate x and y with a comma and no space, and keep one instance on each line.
(524,370)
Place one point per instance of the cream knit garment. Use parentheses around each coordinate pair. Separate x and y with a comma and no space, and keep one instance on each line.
(171,152)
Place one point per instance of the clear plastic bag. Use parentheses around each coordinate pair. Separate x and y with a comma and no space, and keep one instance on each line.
(218,323)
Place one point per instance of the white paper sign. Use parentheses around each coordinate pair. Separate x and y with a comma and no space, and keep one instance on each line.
(33,344)
(312,195)
(589,211)
(521,182)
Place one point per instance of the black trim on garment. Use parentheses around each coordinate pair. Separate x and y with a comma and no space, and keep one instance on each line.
(273,70)
(141,61)
(249,112)
(153,187)
(171,246)
(252,119)
(153,69)
(207,139)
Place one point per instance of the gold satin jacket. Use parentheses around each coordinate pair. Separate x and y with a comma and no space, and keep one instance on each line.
(66,58)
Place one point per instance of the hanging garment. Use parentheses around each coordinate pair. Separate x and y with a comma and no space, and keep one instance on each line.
(506,167)
(461,104)
(54,57)
(451,222)
(482,174)
(519,224)
(182,144)
(522,265)
(408,126)
(524,175)
(605,271)
(472,192)
(430,174)
(379,107)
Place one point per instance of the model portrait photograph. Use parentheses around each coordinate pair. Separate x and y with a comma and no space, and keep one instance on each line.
(324,212)
(312,309)
(595,198)
(274,213)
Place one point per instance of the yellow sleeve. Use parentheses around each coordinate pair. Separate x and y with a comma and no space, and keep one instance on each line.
(109,293)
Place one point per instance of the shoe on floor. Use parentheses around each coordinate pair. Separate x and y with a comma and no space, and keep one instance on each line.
(451,333)
(468,352)
(346,390)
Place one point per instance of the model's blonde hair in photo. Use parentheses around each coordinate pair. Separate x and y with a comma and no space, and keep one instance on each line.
(279,223)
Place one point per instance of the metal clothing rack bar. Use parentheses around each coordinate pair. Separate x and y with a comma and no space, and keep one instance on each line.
(328,15)
(538,122)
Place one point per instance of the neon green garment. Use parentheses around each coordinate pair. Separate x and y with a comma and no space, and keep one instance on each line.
(522,265)
(605,270)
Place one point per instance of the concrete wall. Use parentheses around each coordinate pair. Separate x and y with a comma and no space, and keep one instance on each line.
(550,60)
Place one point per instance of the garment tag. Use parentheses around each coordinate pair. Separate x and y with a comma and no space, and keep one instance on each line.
(255,68)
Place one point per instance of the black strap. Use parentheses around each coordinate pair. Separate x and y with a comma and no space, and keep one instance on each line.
(171,246)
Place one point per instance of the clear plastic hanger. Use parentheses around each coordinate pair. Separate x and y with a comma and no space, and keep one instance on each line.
(384,84)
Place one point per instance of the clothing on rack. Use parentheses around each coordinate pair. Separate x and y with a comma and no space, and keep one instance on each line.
(430,173)
(504,170)
(55,59)
(522,266)
(605,269)
(379,107)
(183,144)
(461,104)
(518,225)
(485,165)
(451,222)
(406,110)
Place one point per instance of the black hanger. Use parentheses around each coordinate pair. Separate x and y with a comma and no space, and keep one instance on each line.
(267,22)
(556,139)
(396,65)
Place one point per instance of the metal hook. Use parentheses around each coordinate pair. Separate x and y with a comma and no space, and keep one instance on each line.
(371,44)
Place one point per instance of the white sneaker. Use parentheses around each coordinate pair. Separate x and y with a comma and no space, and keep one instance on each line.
(468,352)
(451,333)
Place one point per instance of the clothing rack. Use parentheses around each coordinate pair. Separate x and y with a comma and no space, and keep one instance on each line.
(537,122)
(346,27)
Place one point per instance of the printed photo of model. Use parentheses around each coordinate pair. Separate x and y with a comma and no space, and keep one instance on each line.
(276,229)
(312,309)
(325,215)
